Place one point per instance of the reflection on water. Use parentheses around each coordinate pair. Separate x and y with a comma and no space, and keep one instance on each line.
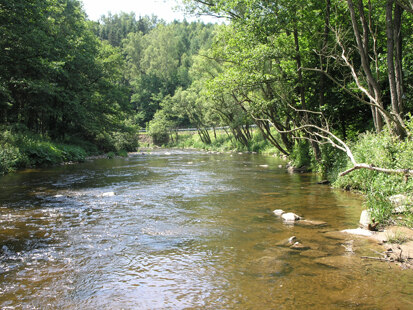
(184,230)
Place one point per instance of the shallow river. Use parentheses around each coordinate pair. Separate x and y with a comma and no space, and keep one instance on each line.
(185,230)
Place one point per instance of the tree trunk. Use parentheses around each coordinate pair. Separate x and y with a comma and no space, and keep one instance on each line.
(398,11)
(362,48)
(323,50)
(393,53)
(314,145)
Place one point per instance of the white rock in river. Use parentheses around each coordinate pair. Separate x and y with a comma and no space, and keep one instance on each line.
(290,217)
(365,218)
(278,212)
(108,194)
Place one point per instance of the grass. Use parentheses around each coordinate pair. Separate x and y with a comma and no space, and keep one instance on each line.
(381,150)
(25,149)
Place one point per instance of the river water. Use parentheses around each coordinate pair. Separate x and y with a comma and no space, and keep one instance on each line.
(185,230)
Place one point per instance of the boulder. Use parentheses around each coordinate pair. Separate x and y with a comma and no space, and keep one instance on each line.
(365,218)
(290,217)
(278,212)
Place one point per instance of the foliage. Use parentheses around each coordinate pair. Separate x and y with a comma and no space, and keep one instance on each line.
(57,78)
(224,142)
(159,128)
(158,63)
(300,155)
(25,149)
(382,150)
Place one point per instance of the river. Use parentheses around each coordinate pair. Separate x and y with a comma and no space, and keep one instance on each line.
(185,230)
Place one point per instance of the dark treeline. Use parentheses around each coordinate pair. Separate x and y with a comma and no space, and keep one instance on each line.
(69,80)
(57,78)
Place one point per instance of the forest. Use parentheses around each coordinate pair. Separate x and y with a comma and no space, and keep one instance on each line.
(328,84)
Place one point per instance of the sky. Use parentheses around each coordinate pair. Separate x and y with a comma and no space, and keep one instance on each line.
(164,9)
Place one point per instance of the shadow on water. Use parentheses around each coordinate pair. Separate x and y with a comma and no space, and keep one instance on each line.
(179,230)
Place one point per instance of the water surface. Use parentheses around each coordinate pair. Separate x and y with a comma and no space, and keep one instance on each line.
(184,230)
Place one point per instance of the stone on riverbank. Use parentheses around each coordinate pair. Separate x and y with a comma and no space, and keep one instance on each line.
(365,218)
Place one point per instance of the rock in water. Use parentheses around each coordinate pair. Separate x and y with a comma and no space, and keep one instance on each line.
(290,217)
(108,194)
(292,239)
(299,246)
(365,218)
(278,212)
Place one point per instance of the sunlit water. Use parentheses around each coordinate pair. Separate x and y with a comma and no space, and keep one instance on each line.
(184,230)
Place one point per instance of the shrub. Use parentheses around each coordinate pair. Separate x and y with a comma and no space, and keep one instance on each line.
(301,155)
(381,150)
(158,128)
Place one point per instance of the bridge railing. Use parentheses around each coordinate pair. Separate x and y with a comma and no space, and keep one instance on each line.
(195,129)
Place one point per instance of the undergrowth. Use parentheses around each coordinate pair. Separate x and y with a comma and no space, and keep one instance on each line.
(381,150)
(224,143)
(23,149)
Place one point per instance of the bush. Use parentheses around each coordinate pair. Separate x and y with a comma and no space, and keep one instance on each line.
(301,155)
(159,128)
(381,150)
(25,149)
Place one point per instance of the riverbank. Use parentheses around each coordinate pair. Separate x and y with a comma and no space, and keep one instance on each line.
(28,150)
(391,218)
(379,150)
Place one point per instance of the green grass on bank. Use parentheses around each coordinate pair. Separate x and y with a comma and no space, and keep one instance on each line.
(24,149)
(381,150)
